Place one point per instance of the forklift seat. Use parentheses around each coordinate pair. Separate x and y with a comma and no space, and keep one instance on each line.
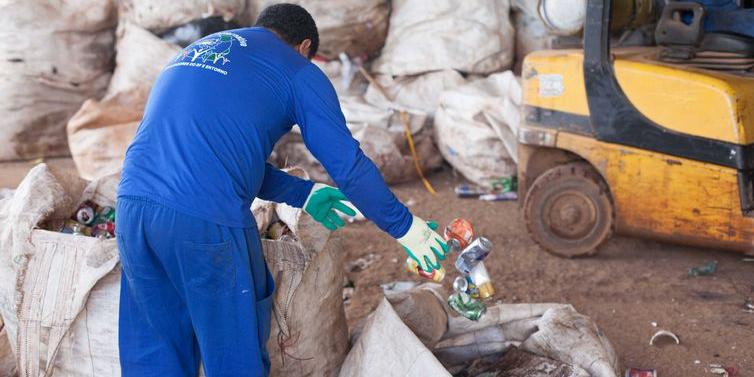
(684,42)
(728,43)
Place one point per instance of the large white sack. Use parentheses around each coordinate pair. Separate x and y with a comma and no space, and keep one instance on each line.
(309,333)
(568,336)
(555,331)
(412,93)
(53,56)
(101,130)
(357,28)
(431,35)
(159,15)
(134,72)
(476,127)
(58,292)
(388,348)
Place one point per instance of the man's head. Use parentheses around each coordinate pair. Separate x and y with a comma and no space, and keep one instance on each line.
(294,25)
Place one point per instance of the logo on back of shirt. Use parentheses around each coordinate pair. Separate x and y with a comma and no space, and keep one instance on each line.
(211,52)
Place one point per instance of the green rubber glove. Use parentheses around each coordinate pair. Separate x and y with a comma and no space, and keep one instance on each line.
(322,202)
(424,245)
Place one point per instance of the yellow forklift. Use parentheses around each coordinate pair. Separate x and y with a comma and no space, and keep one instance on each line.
(655,142)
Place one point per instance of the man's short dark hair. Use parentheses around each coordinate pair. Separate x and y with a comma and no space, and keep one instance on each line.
(292,23)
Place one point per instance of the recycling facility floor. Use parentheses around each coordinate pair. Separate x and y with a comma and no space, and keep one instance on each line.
(627,286)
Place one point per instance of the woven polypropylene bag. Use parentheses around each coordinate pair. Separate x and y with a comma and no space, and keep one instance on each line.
(58,292)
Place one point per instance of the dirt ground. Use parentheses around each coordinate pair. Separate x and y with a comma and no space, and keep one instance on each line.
(628,285)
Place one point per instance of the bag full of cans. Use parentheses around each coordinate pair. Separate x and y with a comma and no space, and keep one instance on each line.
(89,220)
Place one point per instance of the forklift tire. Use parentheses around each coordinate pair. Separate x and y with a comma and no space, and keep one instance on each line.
(569,211)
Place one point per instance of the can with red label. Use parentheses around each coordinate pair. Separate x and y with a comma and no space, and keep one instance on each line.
(461,231)
(435,275)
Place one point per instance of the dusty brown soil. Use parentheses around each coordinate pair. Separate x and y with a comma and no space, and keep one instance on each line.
(628,285)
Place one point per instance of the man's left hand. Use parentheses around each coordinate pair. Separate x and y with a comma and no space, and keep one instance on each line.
(322,202)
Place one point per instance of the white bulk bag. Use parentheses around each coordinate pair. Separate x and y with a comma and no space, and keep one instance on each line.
(413,93)
(476,127)
(432,35)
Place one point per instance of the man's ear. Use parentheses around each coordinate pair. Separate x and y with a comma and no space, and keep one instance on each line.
(304,47)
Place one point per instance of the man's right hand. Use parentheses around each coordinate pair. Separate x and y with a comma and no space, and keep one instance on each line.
(424,245)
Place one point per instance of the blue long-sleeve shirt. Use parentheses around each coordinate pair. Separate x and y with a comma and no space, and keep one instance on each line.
(213,118)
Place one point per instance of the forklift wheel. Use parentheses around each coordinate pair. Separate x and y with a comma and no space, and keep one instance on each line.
(568,210)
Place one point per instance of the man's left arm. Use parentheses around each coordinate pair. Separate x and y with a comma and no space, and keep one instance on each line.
(323,128)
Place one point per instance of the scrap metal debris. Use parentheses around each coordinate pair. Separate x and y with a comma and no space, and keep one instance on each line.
(723,371)
(749,306)
(706,269)
(502,189)
(664,333)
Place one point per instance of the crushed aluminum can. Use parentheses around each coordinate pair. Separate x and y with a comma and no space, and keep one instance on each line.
(482,281)
(468,307)
(460,284)
(103,230)
(473,254)
(636,372)
(706,269)
(106,214)
(723,371)
(505,184)
(469,191)
(472,289)
(85,214)
(81,230)
(505,196)
(460,230)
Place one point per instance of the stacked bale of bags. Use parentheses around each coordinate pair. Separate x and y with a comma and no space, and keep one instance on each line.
(415,49)
(436,73)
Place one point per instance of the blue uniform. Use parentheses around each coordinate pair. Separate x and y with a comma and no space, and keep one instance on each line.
(194,278)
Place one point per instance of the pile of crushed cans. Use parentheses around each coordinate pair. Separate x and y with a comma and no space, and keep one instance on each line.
(474,285)
(89,220)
